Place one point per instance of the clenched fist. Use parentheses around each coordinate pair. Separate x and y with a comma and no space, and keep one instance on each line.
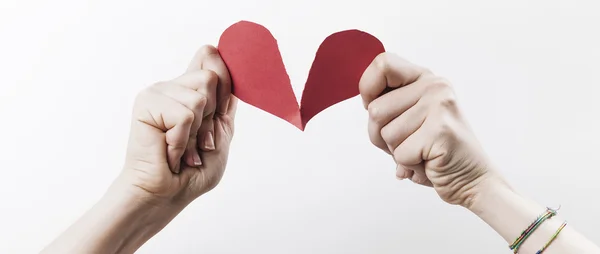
(181,131)
(413,116)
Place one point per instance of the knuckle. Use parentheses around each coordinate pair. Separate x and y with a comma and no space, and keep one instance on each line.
(426,71)
(387,134)
(199,101)
(373,140)
(210,78)
(445,131)
(374,112)
(382,62)
(204,78)
(207,76)
(404,155)
(207,50)
(186,116)
(443,92)
(400,174)
(158,87)
(159,84)
(448,101)
(144,95)
(375,137)
(439,84)
(399,157)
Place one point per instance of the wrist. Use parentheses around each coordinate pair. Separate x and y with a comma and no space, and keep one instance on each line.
(120,222)
(147,212)
(129,220)
(133,220)
(484,191)
(132,216)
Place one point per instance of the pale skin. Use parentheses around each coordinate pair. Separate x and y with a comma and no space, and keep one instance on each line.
(181,132)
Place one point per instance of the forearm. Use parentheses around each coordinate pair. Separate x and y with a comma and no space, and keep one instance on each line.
(119,223)
(509,213)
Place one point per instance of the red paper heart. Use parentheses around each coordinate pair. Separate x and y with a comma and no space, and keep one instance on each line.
(259,77)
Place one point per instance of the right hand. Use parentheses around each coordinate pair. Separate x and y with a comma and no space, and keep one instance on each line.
(414,116)
(181,131)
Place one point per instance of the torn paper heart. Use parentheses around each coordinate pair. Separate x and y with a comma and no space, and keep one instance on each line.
(259,77)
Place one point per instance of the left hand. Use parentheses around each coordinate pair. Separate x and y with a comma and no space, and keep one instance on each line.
(414,116)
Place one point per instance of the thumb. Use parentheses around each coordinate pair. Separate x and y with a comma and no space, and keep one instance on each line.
(227,120)
(232,107)
(223,134)
(224,125)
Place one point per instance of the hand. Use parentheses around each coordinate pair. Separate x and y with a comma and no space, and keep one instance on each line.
(181,131)
(413,116)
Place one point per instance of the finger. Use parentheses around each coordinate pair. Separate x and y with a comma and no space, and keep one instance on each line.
(223,133)
(206,135)
(389,124)
(419,176)
(208,58)
(375,137)
(188,97)
(172,117)
(387,71)
(206,138)
(232,107)
(403,172)
(188,90)
(401,127)
(224,124)
(410,152)
(394,103)
(203,82)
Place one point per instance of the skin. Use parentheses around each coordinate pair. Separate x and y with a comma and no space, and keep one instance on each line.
(171,160)
(414,117)
(181,132)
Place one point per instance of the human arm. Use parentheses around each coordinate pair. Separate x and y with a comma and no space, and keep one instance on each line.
(414,117)
(496,203)
(120,222)
(178,149)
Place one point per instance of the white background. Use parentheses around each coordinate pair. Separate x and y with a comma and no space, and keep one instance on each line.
(527,74)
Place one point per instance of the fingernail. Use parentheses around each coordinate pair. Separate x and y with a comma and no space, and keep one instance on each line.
(398,176)
(197,160)
(176,168)
(209,141)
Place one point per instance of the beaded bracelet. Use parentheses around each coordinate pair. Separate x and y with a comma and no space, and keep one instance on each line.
(552,238)
(527,232)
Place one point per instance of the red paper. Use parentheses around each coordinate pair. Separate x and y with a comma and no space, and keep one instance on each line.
(259,77)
